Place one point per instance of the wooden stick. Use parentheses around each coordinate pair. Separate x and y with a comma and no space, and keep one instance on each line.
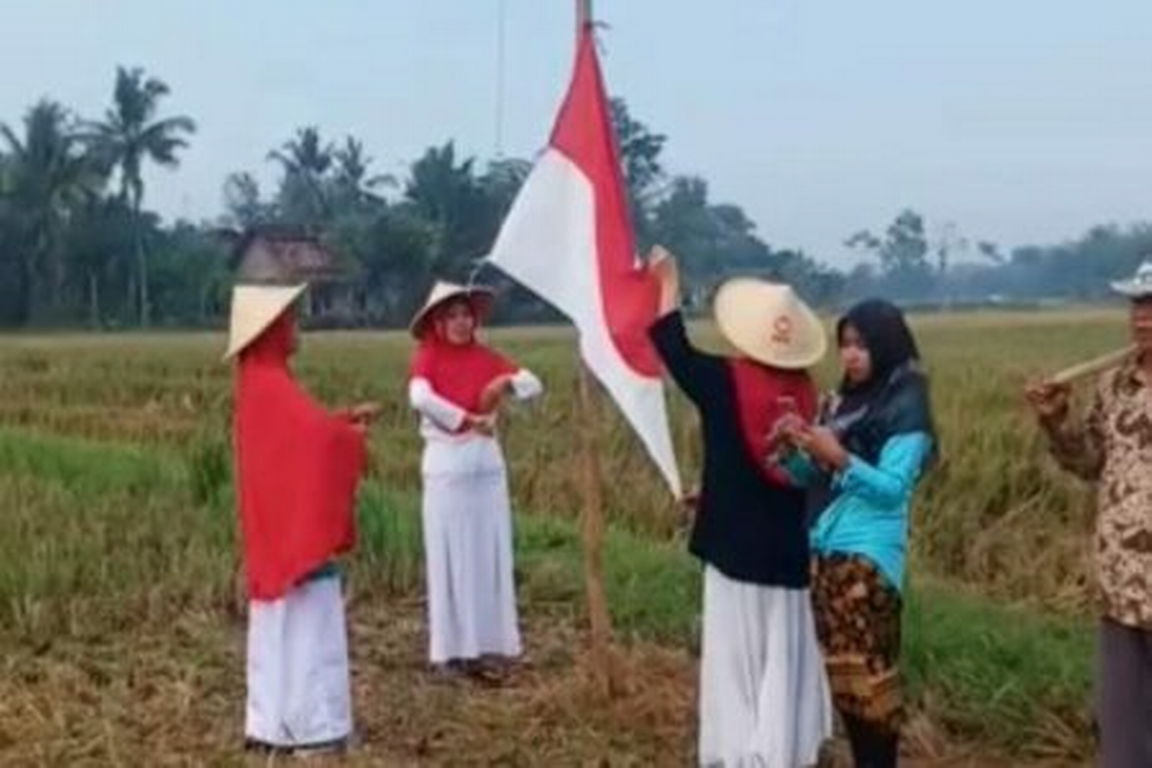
(592,517)
(583,16)
(592,531)
(1091,367)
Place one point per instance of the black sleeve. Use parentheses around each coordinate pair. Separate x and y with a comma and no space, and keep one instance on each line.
(696,373)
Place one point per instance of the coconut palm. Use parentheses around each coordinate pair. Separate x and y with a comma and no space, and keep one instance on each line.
(130,136)
(305,159)
(46,175)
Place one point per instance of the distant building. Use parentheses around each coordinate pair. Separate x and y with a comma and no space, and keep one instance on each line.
(277,255)
(273,255)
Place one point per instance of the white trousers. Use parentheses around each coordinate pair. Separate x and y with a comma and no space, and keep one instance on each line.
(467,523)
(299,692)
(764,697)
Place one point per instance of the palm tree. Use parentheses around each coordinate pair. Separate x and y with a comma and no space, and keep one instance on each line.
(446,192)
(306,160)
(99,236)
(130,136)
(306,154)
(47,175)
(243,203)
(439,185)
(10,289)
(354,187)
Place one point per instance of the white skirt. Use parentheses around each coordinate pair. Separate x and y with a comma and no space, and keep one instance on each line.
(299,693)
(764,698)
(467,520)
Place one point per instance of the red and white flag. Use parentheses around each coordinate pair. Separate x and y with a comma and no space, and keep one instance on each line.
(568,238)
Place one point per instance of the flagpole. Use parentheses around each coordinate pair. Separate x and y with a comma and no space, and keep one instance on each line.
(501,34)
(592,519)
(583,16)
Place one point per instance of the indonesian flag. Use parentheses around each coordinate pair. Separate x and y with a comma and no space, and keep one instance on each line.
(568,238)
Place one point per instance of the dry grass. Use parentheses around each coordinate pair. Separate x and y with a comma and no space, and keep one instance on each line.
(118,603)
(119,626)
(993,496)
(170,692)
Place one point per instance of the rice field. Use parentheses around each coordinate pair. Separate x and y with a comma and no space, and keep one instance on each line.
(121,625)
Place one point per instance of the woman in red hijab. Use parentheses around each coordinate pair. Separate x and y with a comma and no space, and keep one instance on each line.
(457,385)
(297,470)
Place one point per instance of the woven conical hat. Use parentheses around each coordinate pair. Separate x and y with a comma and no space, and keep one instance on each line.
(480,297)
(254,308)
(769,323)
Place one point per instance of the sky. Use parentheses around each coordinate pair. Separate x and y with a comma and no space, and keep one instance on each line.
(1016,121)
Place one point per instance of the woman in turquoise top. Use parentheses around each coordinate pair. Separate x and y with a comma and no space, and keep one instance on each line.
(861,464)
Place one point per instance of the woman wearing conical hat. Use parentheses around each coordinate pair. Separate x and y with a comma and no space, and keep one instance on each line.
(297,471)
(764,697)
(457,385)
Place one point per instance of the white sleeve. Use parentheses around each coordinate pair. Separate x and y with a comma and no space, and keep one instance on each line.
(526,385)
(429,404)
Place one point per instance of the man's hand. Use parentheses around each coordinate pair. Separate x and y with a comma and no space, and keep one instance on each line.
(1049,401)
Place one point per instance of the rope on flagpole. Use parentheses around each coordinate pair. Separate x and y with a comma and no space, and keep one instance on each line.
(501,44)
(478,265)
(585,20)
(583,15)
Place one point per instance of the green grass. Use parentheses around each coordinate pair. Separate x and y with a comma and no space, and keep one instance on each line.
(98,536)
(1008,674)
(993,495)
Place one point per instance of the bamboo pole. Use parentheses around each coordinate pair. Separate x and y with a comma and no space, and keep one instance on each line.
(1091,367)
(583,16)
(592,482)
(592,533)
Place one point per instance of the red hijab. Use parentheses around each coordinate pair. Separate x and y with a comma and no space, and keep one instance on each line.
(763,397)
(297,469)
(459,373)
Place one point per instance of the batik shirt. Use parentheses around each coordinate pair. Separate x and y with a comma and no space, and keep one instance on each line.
(1112,447)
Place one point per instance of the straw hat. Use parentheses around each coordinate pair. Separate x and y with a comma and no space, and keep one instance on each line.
(478,296)
(1139,286)
(254,308)
(769,323)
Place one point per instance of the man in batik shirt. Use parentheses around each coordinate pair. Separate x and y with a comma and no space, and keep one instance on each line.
(1111,446)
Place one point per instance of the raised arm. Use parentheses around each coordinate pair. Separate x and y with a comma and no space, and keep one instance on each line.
(695,372)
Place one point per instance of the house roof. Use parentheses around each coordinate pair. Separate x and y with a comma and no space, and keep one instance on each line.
(282,255)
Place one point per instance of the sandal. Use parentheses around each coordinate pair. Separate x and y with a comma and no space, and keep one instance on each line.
(484,674)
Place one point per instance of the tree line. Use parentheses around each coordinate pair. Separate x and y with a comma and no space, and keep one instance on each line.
(79,246)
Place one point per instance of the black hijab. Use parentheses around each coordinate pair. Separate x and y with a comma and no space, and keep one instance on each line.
(894,399)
